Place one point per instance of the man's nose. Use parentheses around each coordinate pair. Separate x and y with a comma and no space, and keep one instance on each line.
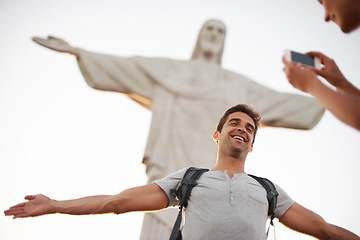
(241,128)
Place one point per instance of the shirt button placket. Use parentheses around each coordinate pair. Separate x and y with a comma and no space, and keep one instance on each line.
(232,196)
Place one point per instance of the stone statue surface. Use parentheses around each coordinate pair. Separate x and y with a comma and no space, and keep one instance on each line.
(186,99)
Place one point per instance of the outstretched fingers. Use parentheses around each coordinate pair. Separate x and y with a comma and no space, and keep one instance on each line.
(21,210)
(15,211)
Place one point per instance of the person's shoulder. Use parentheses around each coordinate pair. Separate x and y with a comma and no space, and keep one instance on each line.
(177,174)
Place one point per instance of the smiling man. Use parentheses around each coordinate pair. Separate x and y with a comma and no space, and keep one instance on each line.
(225,204)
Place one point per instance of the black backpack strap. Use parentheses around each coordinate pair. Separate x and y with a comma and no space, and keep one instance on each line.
(271,193)
(271,196)
(182,193)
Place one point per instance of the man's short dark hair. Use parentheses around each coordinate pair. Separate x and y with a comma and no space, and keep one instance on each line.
(240,108)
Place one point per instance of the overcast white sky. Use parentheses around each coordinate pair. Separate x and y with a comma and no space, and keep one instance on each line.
(61,138)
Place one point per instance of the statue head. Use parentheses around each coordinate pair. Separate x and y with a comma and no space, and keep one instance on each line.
(210,43)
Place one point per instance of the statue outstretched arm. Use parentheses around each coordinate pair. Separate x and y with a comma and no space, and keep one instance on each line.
(284,109)
(56,44)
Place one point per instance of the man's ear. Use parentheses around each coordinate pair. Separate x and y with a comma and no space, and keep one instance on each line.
(216,136)
(251,148)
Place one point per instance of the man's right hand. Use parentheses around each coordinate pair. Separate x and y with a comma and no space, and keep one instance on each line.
(36,205)
(56,44)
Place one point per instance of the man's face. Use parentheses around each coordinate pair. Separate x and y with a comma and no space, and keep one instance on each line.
(212,37)
(237,133)
(345,13)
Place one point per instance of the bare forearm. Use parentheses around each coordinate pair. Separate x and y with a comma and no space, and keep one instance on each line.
(130,200)
(347,87)
(144,198)
(305,221)
(343,106)
(86,205)
(338,233)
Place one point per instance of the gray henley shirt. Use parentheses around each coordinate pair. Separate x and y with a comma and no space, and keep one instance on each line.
(224,208)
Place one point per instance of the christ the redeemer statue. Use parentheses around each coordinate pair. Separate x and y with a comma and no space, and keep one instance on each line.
(186,99)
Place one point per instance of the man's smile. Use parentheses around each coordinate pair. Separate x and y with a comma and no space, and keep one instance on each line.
(239,137)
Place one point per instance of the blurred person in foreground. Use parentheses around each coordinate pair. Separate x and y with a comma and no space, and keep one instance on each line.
(344,101)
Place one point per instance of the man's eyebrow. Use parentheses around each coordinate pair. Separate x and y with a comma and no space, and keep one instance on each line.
(235,119)
(239,120)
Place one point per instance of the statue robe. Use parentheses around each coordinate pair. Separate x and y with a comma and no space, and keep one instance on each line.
(187,99)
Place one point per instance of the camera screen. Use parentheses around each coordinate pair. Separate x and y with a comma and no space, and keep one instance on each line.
(302,58)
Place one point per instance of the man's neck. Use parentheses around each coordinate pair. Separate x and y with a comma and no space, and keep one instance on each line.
(231,164)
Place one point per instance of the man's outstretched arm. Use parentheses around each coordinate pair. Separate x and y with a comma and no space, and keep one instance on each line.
(144,198)
(305,221)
